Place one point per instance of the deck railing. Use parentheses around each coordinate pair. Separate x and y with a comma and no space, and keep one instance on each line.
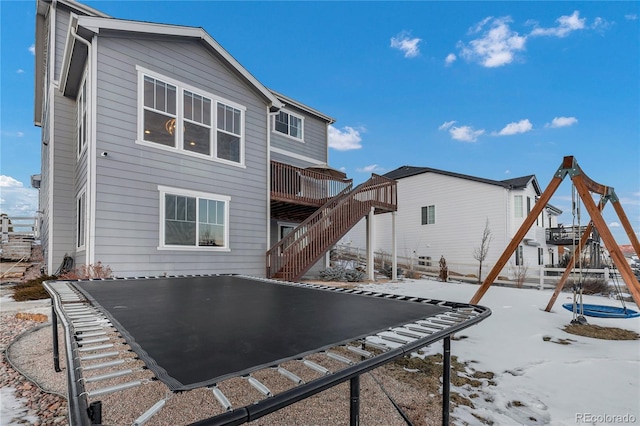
(564,235)
(18,226)
(294,255)
(303,186)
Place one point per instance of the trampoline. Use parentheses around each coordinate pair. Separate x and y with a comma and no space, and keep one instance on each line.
(198,331)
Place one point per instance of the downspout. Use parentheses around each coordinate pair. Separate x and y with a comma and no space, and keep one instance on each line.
(51,59)
(91,149)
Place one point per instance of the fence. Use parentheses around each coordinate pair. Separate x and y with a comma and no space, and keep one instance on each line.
(538,276)
(18,226)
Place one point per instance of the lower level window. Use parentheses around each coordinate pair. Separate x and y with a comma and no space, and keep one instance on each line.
(194,219)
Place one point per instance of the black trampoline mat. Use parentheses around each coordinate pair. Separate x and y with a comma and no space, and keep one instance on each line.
(196,331)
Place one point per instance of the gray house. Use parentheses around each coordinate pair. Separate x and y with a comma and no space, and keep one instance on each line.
(161,154)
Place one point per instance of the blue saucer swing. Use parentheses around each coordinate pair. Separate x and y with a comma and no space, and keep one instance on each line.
(602,311)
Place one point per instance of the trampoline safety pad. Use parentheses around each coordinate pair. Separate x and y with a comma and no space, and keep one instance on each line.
(197,331)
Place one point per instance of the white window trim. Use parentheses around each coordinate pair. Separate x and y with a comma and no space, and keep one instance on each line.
(180,88)
(81,198)
(518,214)
(163,190)
(82,144)
(287,135)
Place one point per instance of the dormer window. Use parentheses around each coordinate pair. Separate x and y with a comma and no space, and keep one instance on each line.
(289,124)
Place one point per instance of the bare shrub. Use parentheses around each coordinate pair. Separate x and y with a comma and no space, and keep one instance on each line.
(520,273)
(84,272)
(590,285)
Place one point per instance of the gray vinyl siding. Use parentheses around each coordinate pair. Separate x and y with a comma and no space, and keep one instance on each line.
(315,139)
(127,199)
(297,162)
(64,163)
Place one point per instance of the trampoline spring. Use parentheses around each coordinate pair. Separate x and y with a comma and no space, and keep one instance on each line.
(83,335)
(289,375)
(259,386)
(111,389)
(82,341)
(339,358)
(95,348)
(149,413)
(85,329)
(359,351)
(104,365)
(107,376)
(217,393)
(408,334)
(99,356)
(312,365)
(394,339)
(442,321)
(429,325)
(419,329)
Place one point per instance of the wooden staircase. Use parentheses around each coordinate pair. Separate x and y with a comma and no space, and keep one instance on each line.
(296,253)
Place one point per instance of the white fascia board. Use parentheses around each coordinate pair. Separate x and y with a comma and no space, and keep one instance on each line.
(95,24)
(68,52)
(288,101)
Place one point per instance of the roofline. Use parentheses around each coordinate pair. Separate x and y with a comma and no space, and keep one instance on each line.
(289,101)
(96,24)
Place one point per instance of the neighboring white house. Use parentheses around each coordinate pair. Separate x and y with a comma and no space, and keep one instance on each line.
(442,213)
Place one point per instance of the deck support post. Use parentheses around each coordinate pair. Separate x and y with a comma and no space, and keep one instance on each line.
(394,249)
(370,245)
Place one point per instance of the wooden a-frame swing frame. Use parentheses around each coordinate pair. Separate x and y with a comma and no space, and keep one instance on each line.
(584,186)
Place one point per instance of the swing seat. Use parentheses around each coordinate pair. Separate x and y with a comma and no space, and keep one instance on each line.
(602,311)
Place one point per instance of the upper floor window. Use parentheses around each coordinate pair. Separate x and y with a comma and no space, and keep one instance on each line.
(519,256)
(82,117)
(178,117)
(517,206)
(289,124)
(428,215)
(193,219)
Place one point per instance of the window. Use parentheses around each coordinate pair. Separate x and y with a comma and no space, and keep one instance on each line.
(517,206)
(289,124)
(191,219)
(80,220)
(177,117)
(424,260)
(519,256)
(528,205)
(540,256)
(82,117)
(428,215)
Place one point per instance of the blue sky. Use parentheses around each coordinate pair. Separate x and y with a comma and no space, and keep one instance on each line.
(490,89)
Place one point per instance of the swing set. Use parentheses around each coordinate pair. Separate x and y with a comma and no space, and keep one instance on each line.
(583,187)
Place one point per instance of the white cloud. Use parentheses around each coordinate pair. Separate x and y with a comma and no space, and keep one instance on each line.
(562,122)
(451,58)
(522,126)
(408,45)
(446,125)
(373,168)
(32,49)
(566,24)
(344,140)
(16,199)
(497,46)
(20,71)
(507,172)
(631,17)
(614,225)
(461,133)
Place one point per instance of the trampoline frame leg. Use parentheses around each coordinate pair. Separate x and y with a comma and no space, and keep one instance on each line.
(56,350)
(354,411)
(446,379)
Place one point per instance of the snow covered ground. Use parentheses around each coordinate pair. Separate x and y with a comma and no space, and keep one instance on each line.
(589,381)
